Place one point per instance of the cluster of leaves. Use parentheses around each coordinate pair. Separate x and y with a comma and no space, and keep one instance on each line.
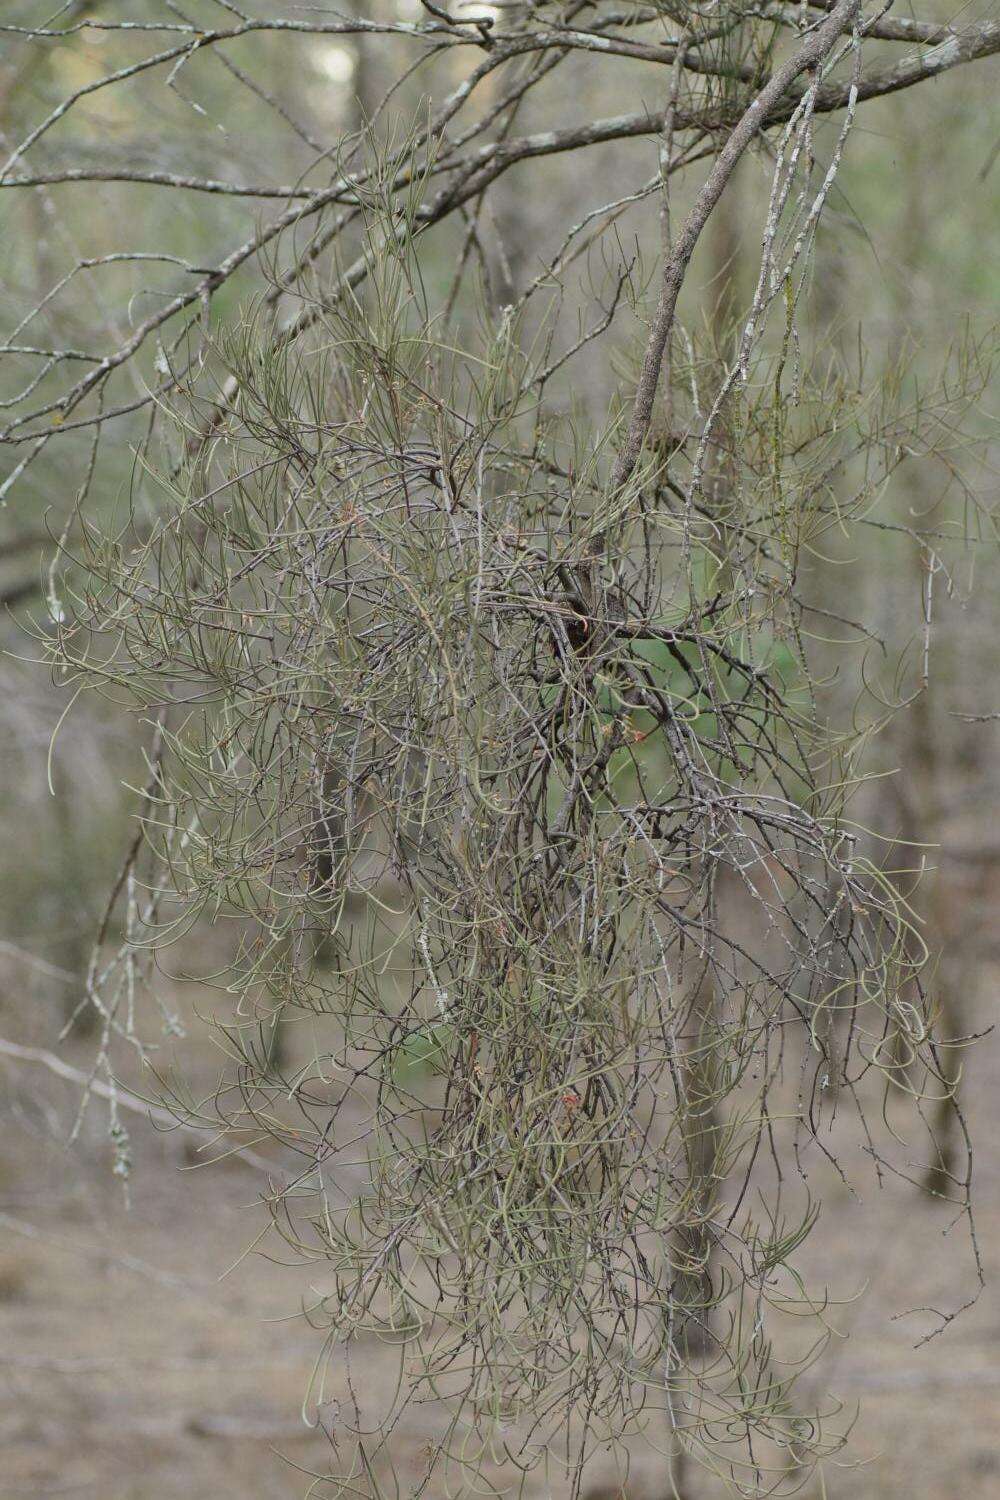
(514,791)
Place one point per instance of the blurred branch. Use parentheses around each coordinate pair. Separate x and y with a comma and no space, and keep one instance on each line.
(886,28)
(52,971)
(126,1262)
(123,1098)
(157,179)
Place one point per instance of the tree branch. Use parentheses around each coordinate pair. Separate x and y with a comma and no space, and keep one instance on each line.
(809,55)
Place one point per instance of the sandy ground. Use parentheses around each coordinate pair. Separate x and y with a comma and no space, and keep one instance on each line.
(129,1371)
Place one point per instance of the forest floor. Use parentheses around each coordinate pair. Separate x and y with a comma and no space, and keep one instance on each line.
(130,1371)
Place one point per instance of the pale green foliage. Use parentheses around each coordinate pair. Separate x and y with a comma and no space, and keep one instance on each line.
(470,803)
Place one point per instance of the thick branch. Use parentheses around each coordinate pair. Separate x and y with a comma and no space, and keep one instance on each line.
(891,28)
(492,160)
